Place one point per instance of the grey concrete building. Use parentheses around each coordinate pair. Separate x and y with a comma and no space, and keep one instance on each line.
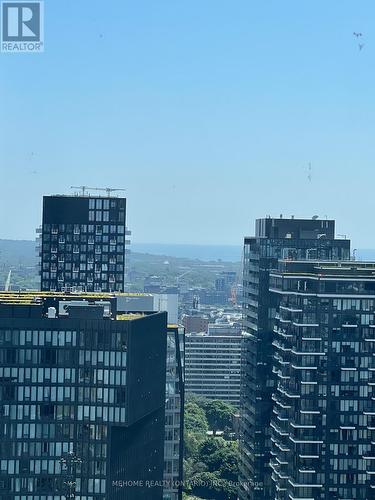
(212,366)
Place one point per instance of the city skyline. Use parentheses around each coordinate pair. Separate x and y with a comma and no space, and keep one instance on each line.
(190,108)
(187,254)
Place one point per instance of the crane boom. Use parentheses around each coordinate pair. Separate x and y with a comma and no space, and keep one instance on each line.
(87,188)
(82,188)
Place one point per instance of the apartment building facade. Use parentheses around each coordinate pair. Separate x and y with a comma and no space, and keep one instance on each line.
(274,239)
(323,424)
(80,378)
(83,242)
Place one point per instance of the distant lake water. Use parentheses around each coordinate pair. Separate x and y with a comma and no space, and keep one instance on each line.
(229,253)
(16,251)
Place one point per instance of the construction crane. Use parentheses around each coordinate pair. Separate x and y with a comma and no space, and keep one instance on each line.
(182,275)
(107,190)
(87,188)
(7,283)
(82,188)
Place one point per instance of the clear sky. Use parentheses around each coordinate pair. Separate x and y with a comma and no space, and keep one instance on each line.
(207,111)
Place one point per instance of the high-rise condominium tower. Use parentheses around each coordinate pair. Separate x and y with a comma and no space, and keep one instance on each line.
(83,243)
(298,239)
(323,424)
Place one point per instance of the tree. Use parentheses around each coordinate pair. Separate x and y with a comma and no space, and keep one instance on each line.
(201,401)
(195,419)
(219,415)
(204,484)
(227,459)
(220,456)
(209,485)
(192,442)
(210,446)
(196,428)
(186,496)
(211,462)
(192,467)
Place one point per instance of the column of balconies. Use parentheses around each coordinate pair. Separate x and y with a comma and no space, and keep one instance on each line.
(369,455)
(304,433)
(283,407)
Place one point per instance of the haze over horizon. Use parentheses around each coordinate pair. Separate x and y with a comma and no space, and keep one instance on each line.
(208,114)
(226,253)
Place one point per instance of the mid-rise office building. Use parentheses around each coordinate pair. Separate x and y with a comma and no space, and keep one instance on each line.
(213,366)
(83,243)
(80,378)
(323,425)
(297,239)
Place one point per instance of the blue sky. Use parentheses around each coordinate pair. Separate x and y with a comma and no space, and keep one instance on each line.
(207,112)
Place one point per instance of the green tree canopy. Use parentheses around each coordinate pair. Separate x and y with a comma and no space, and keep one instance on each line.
(225,460)
(195,418)
(196,428)
(210,485)
(219,414)
(220,456)
(210,446)
(211,462)
(192,442)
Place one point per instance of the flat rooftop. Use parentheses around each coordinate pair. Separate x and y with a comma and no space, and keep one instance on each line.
(342,268)
(89,194)
(313,228)
(129,316)
(36,297)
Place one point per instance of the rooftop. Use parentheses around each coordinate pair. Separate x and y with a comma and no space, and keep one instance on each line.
(36,297)
(108,193)
(342,268)
(292,228)
(129,316)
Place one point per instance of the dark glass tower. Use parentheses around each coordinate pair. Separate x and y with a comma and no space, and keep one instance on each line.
(323,424)
(83,243)
(298,239)
(80,376)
